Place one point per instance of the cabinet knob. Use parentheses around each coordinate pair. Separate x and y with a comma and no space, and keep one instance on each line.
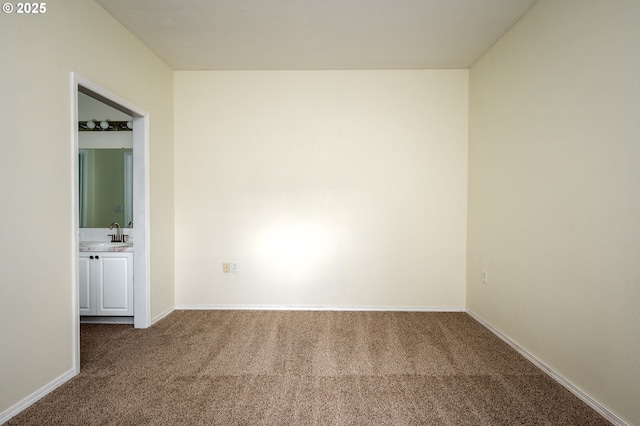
(97,257)
(90,257)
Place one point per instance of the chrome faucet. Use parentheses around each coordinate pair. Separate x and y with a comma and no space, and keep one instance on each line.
(115,238)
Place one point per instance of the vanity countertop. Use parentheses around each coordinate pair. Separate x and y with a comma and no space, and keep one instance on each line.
(93,246)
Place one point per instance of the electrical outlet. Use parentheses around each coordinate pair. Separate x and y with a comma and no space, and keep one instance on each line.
(233,268)
(226,268)
(485,278)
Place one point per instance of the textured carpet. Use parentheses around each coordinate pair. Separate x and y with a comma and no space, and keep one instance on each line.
(303,367)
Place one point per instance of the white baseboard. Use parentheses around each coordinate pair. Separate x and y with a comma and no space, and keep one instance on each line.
(6,415)
(319,308)
(582,395)
(162,315)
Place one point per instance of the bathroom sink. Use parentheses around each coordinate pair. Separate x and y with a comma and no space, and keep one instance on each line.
(104,244)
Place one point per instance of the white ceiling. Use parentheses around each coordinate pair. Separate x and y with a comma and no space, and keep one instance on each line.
(317,34)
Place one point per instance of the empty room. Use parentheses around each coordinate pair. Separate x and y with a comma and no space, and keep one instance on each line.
(328,212)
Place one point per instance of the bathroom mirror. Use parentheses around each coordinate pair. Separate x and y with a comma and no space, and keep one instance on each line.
(105,165)
(105,187)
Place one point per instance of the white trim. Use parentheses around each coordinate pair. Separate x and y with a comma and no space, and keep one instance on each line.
(141,224)
(571,387)
(75,228)
(319,308)
(140,231)
(112,98)
(15,409)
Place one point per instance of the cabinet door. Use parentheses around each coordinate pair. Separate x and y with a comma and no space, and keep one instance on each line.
(114,279)
(87,295)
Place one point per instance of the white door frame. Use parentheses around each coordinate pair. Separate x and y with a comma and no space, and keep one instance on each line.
(140,231)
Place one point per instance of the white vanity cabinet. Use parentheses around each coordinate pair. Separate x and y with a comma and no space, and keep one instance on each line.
(106,283)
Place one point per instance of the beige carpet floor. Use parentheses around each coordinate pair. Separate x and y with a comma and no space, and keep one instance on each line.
(305,368)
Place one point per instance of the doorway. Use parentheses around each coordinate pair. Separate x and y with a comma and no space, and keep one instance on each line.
(140,197)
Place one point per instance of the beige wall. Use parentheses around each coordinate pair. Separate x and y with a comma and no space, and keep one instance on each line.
(329,188)
(39,52)
(554,181)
